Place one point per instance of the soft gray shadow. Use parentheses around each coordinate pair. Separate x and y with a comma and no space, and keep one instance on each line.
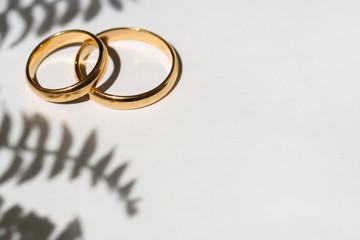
(100,171)
(52,17)
(116,71)
(115,58)
(15,223)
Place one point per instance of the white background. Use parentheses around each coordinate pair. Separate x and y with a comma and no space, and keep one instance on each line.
(259,140)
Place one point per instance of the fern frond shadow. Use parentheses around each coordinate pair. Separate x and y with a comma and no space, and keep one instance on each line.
(52,16)
(24,173)
(15,223)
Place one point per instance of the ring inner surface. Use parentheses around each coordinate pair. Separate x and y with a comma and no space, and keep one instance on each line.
(53,44)
(125,34)
(139,35)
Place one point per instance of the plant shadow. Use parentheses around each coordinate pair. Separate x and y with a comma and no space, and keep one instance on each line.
(54,15)
(22,170)
(16,223)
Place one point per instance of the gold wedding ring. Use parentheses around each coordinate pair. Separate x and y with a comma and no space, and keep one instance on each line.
(139,100)
(86,83)
(55,42)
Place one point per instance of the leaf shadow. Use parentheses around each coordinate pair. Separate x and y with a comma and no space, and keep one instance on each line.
(100,170)
(53,17)
(16,223)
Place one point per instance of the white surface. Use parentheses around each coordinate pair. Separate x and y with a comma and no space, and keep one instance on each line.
(259,140)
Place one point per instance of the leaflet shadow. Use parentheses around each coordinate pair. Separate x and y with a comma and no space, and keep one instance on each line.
(15,223)
(53,16)
(22,170)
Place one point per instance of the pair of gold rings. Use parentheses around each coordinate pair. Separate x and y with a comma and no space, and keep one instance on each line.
(86,83)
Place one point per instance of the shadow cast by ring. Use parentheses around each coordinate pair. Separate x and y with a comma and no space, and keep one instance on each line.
(108,82)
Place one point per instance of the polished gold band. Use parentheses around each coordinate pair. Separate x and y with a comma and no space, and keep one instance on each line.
(57,41)
(133,101)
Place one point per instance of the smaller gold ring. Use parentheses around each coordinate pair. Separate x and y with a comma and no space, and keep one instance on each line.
(139,100)
(55,42)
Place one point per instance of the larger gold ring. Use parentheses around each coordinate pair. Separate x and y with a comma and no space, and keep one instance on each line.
(139,100)
(57,41)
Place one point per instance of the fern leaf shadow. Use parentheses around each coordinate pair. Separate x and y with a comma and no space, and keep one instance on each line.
(30,123)
(62,152)
(53,17)
(93,10)
(24,173)
(15,223)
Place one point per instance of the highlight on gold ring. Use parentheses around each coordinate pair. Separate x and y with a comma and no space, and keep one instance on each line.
(55,42)
(142,99)
(86,83)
